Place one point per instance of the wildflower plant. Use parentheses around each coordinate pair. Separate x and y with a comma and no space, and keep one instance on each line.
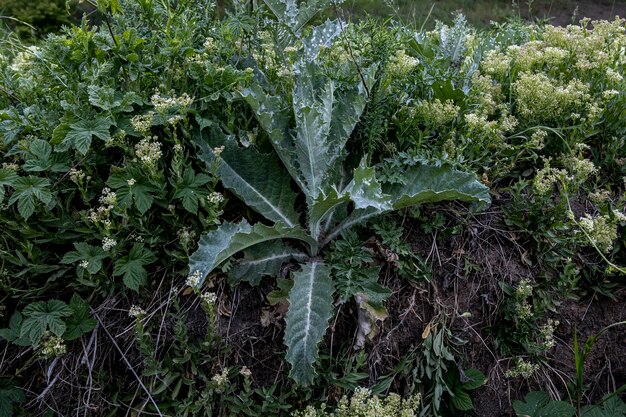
(312,154)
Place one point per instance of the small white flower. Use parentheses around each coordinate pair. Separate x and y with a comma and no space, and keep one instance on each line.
(84,264)
(194,279)
(218,150)
(108,244)
(215,198)
(131,182)
(209,298)
(136,312)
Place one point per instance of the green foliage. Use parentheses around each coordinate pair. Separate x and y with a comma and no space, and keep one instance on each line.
(538,404)
(10,395)
(273,138)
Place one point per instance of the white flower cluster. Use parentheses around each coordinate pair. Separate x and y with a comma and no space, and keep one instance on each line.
(186,237)
(522,368)
(163,104)
(52,346)
(602,230)
(539,97)
(11,166)
(77,176)
(136,312)
(221,380)
(402,64)
(364,404)
(546,334)
(523,308)
(215,198)
(142,122)
(23,61)
(148,150)
(209,298)
(107,200)
(108,244)
(84,264)
(436,113)
(193,280)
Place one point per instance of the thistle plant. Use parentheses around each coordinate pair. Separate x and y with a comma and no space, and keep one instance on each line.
(309,135)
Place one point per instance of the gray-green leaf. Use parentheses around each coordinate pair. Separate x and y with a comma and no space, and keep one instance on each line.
(430,184)
(310,308)
(229,238)
(260,260)
(258,180)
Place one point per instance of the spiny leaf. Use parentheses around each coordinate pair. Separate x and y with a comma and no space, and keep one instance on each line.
(263,259)
(274,115)
(229,238)
(310,308)
(430,184)
(258,180)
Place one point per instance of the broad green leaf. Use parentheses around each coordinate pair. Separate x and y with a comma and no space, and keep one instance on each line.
(79,322)
(12,333)
(107,98)
(260,260)
(10,394)
(85,252)
(310,308)
(557,409)
(26,191)
(258,180)
(229,238)
(41,316)
(80,134)
(7,178)
(132,266)
(533,403)
(476,379)
(430,184)
(141,193)
(190,188)
(461,401)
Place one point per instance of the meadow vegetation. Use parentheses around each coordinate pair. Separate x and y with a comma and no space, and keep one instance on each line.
(277,210)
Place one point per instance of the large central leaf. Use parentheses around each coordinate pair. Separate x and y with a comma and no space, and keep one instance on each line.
(310,308)
(325,116)
(325,119)
(217,246)
(363,190)
(258,180)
